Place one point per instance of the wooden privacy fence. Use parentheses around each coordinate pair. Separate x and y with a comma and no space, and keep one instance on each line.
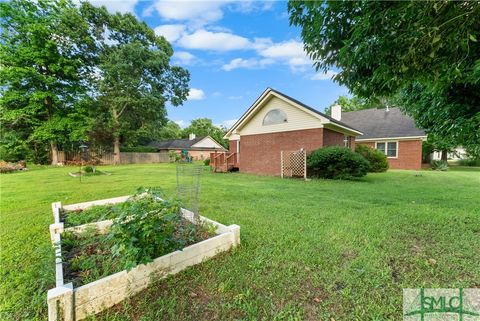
(106,158)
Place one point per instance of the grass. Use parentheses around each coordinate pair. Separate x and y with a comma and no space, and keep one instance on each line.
(310,250)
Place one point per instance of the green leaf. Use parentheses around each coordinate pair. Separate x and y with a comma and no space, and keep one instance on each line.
(472,38)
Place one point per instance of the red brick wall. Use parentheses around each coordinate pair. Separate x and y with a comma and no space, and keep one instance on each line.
(260,154)
(409,154)
(232,146)
(331,138)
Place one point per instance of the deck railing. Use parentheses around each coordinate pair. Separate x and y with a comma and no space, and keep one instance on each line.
(221,161)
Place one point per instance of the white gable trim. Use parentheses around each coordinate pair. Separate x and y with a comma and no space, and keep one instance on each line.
(217,145)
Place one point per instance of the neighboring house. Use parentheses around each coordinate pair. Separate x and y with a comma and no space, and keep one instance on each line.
(390,131)
(198,147)
(276,122)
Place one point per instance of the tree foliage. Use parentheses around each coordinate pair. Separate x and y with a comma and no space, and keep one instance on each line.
(46,58)
(136,79)
(205,127)
(429,51)
(357,103)
(171,130)
(71,73)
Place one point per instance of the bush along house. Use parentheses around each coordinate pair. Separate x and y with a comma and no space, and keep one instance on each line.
(276,122)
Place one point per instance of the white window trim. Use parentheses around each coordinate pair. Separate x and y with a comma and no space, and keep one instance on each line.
(386,147)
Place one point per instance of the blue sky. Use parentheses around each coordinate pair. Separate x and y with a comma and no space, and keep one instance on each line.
(233,50)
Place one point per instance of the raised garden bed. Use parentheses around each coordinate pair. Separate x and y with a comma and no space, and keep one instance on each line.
(93,273)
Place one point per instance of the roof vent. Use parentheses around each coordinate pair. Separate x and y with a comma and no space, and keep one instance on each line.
(191,136)
(337,112)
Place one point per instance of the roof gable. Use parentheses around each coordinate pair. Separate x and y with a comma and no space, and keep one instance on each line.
(312,117)
(380,123)
(207,142)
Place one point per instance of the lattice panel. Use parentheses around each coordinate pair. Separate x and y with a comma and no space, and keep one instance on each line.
(294,163)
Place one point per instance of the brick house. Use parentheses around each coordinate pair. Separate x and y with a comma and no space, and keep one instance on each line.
(390,131)
(199,148)
(276,122)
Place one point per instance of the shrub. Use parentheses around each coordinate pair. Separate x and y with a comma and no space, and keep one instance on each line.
(88,169)
(439,165)
(469,162)
(207,162)
(336,163)
(378,161)
(6,167)
(174,156)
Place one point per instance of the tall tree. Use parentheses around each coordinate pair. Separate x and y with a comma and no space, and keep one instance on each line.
(383,48)
(136,78)
(358,103)
(46,57)
(170,131)
(205,127)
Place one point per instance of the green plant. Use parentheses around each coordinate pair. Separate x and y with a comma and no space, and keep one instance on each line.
(336,163)
(174,156)
(148,227)
(88,169)
(206,162)
(469,162)
(439,165)
(378,161)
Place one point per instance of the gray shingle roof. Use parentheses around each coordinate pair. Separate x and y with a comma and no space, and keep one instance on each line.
(175,143)
(179,144)
(379,123)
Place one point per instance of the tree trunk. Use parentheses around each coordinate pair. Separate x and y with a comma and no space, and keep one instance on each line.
(54,150)
(444,155)
(116,139)
(116,150)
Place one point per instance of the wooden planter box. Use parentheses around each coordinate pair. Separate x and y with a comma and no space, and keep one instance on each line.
(68,303)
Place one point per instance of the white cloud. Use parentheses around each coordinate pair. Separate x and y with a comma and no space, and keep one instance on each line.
(170,32)
(235,97)
(324,76)
(216,94)
(184,58)
(123,6)
(195,94)
(290,52)
(197,13)
(247,63)
(216,41)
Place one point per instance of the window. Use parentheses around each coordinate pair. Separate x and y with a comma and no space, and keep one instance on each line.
(275,116)
(346,141)
(390,149)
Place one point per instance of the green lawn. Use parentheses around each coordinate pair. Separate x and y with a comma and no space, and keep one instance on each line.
(310,250)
